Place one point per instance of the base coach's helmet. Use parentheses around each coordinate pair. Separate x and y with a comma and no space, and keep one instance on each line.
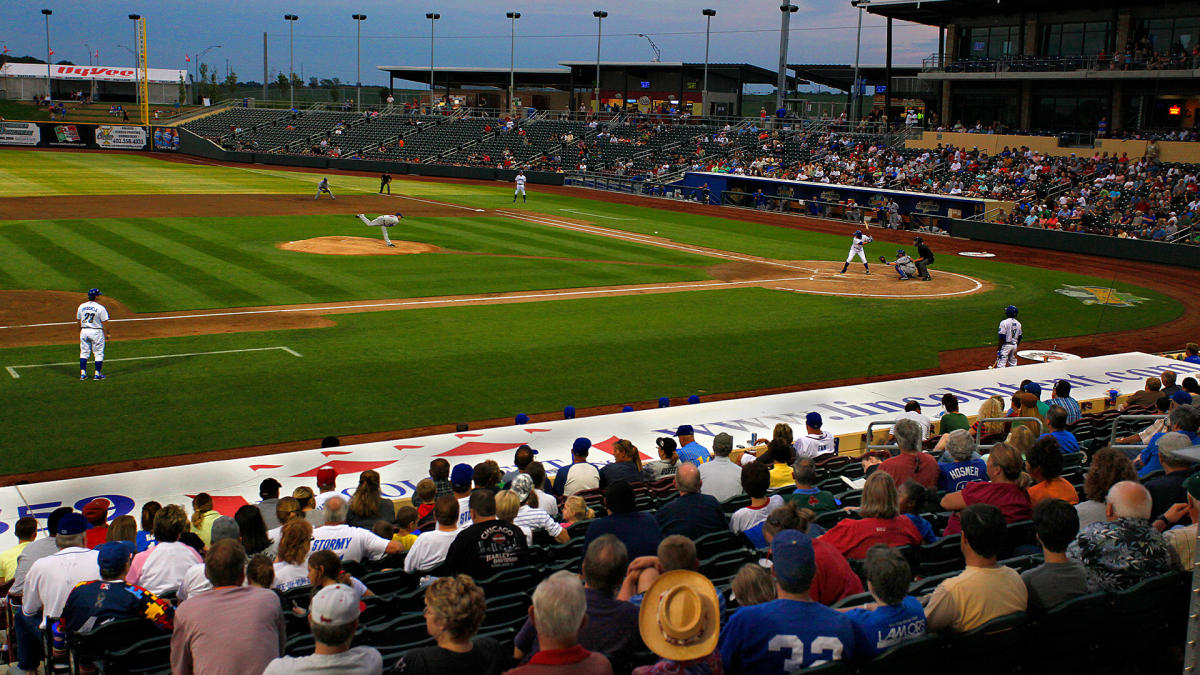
(1010,311)
(93,292)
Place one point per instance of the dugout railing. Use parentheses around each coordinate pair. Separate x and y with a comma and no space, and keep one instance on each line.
(872,446)
(1116,422)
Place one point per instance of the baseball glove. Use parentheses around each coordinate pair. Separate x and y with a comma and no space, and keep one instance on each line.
(883,260)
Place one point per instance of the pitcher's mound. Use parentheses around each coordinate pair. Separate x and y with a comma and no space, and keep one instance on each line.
(355,246)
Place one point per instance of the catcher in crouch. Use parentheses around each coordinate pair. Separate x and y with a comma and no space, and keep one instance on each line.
(904,265)
(383,223)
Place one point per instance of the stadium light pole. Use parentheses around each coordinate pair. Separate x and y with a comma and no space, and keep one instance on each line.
(433,17)
(600,15)
(708,14)
(512,56)
(786,10)
(196,66)
(358,18)
(854,103)
(291,19)
(137,59)
(47,13)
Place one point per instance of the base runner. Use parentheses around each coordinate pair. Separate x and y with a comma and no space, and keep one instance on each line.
(383,223)
(323,186)
(856,249)
(92,332)
(1010,337)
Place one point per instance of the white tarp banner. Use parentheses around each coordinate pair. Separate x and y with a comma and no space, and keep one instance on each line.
(19,133)
(402,463)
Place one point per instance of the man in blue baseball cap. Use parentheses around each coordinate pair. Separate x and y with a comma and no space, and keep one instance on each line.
(107,599)
(793,631)
(815,442)
(578,475)
(460,481)
(51,579)
(689,449)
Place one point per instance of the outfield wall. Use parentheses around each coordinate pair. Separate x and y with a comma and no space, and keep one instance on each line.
(1078,242)
(89,135)
(401,463)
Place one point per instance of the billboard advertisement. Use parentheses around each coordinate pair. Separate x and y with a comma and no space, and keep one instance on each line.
(166,139)
(111,137)
(20,133)
(68,135)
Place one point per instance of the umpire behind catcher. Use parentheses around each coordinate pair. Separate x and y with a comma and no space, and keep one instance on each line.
(924,258)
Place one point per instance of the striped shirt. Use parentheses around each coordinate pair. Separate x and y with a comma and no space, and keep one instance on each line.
(1071,406)
(536,519)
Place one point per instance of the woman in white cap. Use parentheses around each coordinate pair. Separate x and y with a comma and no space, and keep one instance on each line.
(680,621)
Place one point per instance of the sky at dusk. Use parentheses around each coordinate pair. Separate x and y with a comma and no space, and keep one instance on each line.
(470,33)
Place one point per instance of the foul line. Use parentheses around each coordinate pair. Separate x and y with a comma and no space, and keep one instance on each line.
(12,370)
(595,215)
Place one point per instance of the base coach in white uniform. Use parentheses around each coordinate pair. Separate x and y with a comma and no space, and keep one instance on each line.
(92,333)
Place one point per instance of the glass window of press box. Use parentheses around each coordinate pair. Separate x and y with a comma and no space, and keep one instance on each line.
(988,41)
(1077,39)
(1167,35)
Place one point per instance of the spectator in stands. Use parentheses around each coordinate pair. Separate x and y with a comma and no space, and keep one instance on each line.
(895,616)
(752,585)
(880,521)
(578,475)
(51,578)
(1168,383)
(25,530)
(287,509)
(426,493)
(1184,418)
(145,535)
(912,411)
(779,456)
(691,514)
(1162,406)
(230,629)
(460,482)
(749,643)
(638,530)
(253,532)
(333,619)
(576,510)
(667,462)
(1108,467)
(489,545)
(308,506)
(529,516)
(1003,489)
(268,492)
(1183,539)
(558,613)
(1191,353)
(368,505)
(749,519)
(522,458)
(626,464)
(195,579)
(546,502)
(1125,549)
(952,419)
(676,552)
(1192,386)
(993,408)
(95,603)
(1046,471)
(910,502)
(984,590)
(326,486)
(1021,438)
(720,477)
(835,578)
(912,462)
(1147,396)
(807,495)
(203,515)
(1062,397)
(681,624)
(454,610)
(324,569)
(439,473)
(1030,406)
(1059,578)
(964,466)
(689,449)
(96,513)
(1056,420)
(486,476)
(1167,489)
(161,568)
(25,630)
(814,442)
(123,528)
(291,567)
(349,543)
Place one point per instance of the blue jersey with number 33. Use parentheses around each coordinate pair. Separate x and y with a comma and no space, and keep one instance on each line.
(784,636)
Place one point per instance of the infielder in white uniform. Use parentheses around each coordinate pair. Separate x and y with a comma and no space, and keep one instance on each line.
(383,223)
(1010,337)
(323,186)
(856,249)
(91,316)
(520,179)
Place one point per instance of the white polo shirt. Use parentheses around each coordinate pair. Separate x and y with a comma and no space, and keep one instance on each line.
(428,551)
(51,579)
(349,543)
(194,581)
(166,564)
(814,445)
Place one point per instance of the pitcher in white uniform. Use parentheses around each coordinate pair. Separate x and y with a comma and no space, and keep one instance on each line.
(92,333)
(383,223)
(1009,338)
(520,179)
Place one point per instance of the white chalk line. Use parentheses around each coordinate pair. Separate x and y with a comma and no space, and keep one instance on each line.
(595,215)
(12,370)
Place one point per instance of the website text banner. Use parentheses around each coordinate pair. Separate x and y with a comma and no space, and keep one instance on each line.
(402,463)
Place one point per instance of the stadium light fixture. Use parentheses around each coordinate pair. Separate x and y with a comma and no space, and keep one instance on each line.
(600,16)
(512,56)
(291,19)
(787,10)
(433,17)
(47,13)
(358,19)
(708,15)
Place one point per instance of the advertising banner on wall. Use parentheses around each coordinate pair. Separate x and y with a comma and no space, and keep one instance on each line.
(19,133)
(68,135)
(166,139)
(112,137)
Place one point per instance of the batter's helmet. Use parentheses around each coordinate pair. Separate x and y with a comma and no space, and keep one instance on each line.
(858,233)
(900,252)
(1010,311)
(93,292)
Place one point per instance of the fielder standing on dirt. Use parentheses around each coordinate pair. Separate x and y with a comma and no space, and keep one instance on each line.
(91,316)
(1010,337)
(323,186)
(383,223)
(856,249)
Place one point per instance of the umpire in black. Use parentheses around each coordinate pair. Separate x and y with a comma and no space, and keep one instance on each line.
(924,258)
(385,181)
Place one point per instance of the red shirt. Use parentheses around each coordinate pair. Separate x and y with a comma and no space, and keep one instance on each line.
(1012,501)
(95,536)
(834,579)
(423,510)
(854,537)
(921,467)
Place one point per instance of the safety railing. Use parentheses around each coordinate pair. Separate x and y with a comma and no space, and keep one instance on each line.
(1112,434)
(871,445)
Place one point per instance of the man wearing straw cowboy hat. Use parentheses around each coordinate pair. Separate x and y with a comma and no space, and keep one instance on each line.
(680,621)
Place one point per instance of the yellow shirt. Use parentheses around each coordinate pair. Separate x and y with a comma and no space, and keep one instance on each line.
(406,540)
(976,596)
(8,561)
(205,529)
(781,476)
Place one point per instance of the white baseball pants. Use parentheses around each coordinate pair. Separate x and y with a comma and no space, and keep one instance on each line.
(91,341)
(1007,356)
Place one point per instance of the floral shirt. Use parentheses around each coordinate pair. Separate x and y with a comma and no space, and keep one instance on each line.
(1121,553)
(709,665)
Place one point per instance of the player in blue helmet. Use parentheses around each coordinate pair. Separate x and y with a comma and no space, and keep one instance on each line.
(856,250)
(903,265)
(1010,311)
(92,318)
(1009,338)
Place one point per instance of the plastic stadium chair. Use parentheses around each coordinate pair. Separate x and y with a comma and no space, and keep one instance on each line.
(830,518)
(715,543)
(390,581)
(734,503)
(941,557)
(910,656)
(855,600)
(991,647)
(1065,636)
(88,647)
(512,580)
(1158,607)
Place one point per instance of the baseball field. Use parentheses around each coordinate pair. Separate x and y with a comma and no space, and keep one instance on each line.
(246,313)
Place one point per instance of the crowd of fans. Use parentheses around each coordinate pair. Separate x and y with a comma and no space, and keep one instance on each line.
(225,588)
